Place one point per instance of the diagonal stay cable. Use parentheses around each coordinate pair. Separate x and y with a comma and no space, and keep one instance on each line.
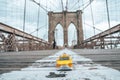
(74,4)
(83,5)
(55,7)
(88,4)
(39,5)
(38,29)
(93,26)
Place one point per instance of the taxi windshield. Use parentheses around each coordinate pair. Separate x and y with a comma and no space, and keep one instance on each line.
(64,58)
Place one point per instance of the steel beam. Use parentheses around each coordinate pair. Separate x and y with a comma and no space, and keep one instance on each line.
(105,33)
(112,37)
(8,29)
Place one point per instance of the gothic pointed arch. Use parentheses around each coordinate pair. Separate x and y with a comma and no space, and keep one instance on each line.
(72,35)
(65,18)
(59,37)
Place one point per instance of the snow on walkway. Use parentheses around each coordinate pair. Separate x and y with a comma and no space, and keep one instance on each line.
(84,69)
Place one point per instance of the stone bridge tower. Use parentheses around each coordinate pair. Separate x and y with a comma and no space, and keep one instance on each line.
(65,18)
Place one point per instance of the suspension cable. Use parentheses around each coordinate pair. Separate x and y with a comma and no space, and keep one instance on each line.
(88,4)
(66,5)
(84,21)
(108,17)
(38,29)
(93,26)
(75,4)
(24,18)
(62,5)
(53,4)
(46,16)
(82,5)
(39,5)
(45,7)
(92,17)
(38,18)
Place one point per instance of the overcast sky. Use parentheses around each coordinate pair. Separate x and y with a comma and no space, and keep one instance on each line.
(11,13)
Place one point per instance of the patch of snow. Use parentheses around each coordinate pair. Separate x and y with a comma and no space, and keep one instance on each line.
(83,69)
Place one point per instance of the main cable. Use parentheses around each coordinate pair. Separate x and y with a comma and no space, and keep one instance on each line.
(75,4)
(39,5)
(88,4)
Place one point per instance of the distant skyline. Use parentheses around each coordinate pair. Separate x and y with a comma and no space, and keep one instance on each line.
(12,11)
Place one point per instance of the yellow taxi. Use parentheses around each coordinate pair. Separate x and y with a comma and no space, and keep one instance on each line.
(64,62)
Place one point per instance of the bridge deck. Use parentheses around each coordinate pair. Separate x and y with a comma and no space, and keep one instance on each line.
(16,60)
(109,57)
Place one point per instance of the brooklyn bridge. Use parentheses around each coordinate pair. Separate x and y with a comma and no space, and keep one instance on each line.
(33,30)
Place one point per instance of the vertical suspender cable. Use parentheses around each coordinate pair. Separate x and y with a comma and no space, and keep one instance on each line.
(84,21)
(92,17)
(24,17)
(78,4)
(108,17)
(62,5)
(38,18)
(66,5)
(46,20)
